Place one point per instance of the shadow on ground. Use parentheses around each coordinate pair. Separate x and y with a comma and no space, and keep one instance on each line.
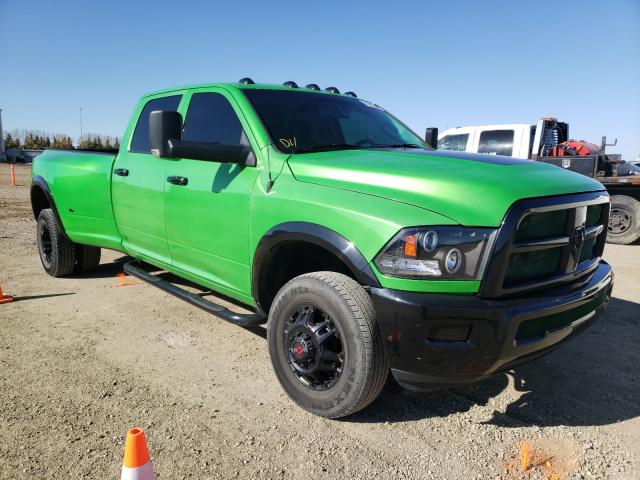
(106,270)
(112,269)
(44,295)
(215,297)
(591,380)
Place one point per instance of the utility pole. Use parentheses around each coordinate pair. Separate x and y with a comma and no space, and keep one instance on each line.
(80,141)
(3,156)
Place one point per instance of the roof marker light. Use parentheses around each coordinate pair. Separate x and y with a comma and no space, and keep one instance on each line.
(290,84)
(313,86)
(332,90)
(351,94)
(246,81)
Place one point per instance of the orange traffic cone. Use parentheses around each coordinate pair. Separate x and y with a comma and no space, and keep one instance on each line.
(136,464)
(5,298)
(12,174)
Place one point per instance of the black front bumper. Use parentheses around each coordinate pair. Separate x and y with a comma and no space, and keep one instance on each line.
(438,340)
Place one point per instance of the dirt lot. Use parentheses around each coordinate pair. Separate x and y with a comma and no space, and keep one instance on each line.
(84,359)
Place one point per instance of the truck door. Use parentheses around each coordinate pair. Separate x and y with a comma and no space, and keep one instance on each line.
(207,209)
(138,189)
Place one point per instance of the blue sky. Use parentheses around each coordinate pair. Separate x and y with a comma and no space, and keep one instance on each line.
(444,64)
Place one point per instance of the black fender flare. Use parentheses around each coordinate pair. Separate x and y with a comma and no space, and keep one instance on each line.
(40,183)
(315,234)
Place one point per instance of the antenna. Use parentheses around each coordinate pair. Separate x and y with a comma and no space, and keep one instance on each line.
(270,182)
(80,141)
(2,147)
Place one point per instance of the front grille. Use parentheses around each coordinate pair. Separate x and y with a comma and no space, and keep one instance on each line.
(547,241)
(532,266)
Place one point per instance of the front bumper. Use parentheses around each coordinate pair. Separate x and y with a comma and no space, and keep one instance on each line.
(436,340)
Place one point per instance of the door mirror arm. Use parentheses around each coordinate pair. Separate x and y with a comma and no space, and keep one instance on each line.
(212,152)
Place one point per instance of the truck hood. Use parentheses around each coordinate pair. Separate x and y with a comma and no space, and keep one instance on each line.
(470,189)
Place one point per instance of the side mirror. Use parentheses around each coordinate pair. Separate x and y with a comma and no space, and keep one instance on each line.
(431,137)
(165,139)
(164,125)
(212,152)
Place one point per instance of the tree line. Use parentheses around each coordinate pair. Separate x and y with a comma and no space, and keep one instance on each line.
(39,140)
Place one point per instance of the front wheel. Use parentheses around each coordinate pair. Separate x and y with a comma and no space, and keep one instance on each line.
(325,345)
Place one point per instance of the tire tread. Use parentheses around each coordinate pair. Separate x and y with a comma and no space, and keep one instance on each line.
(64,253)
(374,359)
(87,258)
(633,207)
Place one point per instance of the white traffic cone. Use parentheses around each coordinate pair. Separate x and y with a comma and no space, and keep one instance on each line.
(136,464)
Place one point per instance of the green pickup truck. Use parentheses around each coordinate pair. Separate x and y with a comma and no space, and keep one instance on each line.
(364,250)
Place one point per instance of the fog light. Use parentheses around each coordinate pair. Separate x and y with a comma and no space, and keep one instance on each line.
(449,333)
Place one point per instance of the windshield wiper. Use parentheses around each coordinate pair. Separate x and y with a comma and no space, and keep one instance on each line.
(351,146)
(330,146)
(403,145)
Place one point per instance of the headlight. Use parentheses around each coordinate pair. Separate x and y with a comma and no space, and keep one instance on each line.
(437,252)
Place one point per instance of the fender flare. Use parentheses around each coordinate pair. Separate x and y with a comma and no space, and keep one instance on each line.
(315,234)
(40,183)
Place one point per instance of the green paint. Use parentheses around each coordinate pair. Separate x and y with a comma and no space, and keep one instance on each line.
(208,232)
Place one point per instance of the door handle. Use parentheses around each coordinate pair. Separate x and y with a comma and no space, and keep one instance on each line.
(178,180)
(123,172)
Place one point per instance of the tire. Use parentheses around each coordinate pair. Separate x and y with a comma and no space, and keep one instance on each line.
(57,252)
(337,304)
(624,220)
(87,258)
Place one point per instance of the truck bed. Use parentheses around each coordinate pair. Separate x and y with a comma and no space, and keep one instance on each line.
(81,186)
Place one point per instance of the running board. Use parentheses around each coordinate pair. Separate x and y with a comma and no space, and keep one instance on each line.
(242,319)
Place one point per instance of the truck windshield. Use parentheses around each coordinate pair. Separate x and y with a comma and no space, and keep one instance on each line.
(302,122)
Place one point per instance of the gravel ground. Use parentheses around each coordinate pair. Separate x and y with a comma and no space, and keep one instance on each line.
(83,359)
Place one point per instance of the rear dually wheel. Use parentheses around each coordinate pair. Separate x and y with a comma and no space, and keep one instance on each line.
(57,252)
(87,258)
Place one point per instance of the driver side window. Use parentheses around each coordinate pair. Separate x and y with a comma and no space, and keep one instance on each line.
(210,118)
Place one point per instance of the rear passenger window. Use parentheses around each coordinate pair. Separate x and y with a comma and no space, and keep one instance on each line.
(140,140)
(457,143)
(211,118)
(496,142)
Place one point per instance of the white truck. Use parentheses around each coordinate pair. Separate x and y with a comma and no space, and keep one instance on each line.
(548,141)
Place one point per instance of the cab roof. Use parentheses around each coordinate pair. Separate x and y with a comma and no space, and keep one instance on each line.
(238,85)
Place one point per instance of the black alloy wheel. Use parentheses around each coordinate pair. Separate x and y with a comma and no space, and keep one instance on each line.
(325,345)
(45,246)
(315,352)
(57,252)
